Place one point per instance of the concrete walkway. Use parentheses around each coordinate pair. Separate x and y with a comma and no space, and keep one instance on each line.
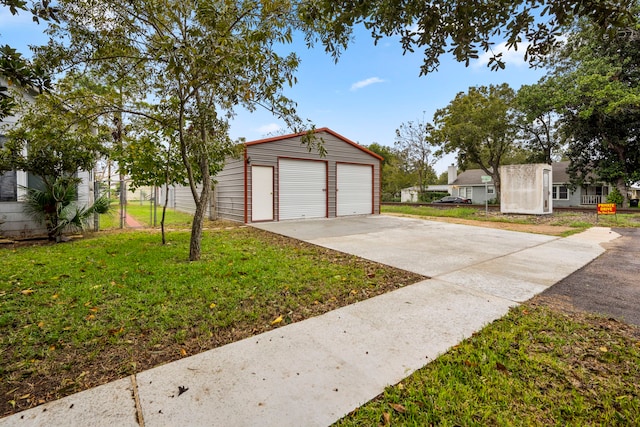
(314,372)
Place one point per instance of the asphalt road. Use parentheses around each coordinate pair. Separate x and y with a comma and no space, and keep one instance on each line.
(610,284)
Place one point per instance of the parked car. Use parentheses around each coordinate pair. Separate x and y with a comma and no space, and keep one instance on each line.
(453,199)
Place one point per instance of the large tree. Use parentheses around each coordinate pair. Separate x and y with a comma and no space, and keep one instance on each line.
(537,121)
(415,140)
(395,172)
(150,156)
(463,27)
(478,126)
(600,80)
(196,61)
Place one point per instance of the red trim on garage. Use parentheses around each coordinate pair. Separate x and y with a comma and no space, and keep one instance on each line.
(246,195)
(327,130)
(373,181)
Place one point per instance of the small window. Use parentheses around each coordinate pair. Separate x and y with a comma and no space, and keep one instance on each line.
(491,190)
(8,182)
(465,192)
(560,192)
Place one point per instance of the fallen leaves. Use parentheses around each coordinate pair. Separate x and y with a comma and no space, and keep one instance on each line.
(398,408)
(276,321)
(27,291)
(386,418)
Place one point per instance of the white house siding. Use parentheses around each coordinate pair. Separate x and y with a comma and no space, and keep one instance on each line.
(13,221)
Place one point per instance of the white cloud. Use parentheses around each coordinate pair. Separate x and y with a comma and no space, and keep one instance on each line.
(509,56)
(270,128)
(366,82)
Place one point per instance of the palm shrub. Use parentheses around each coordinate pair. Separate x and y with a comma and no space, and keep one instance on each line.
(57,209)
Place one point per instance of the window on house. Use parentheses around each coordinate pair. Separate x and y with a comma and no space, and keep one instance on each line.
(8,182)
(465,192)
(560,192)
(491,190)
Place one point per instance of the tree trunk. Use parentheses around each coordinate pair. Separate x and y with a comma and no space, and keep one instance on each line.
(621,185)
(164,211)
(195,246)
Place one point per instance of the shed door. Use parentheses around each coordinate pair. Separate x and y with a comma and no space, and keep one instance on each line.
(261,193)
(354,189)
(302,188)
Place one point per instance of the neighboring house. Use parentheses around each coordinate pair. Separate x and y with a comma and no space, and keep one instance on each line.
(13,221)
(411,194)
(469,184)
(587,195)
(280,179)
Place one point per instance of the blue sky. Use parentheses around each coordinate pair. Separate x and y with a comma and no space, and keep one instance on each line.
(365,97)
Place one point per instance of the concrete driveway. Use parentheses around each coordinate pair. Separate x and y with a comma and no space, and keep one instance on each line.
(503,263)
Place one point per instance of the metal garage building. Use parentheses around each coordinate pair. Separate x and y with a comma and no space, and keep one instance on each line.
(280,179)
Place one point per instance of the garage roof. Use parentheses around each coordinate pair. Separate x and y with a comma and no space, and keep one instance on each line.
(326,130)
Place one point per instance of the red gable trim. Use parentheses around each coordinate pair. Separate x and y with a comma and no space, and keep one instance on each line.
(326,130)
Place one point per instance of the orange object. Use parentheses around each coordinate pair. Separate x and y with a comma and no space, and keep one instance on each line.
(606,208)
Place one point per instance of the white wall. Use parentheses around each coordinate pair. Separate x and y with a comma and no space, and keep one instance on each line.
(523,189)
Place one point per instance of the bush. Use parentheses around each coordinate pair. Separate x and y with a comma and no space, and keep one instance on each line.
(615,197)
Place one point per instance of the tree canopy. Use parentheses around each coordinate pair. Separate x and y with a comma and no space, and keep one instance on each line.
(15,70)
(600,105)
(415,140)
(194,62)
(537,121)
(478,126)
(463,28)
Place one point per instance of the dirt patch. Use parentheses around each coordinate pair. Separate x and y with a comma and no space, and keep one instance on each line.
(549,229)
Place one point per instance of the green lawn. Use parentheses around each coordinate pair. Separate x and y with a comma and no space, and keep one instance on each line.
(534,367)
(74,315)
(576,220)
(145,215)
(82,313)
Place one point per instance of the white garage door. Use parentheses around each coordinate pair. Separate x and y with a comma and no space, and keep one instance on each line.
(355,189)
(302,189)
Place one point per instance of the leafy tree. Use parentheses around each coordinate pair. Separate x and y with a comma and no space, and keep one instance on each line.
(478,126)
(463,27)
(150,157)
(14,68)
(443,178)
(198,61)
(415,141)
(395,175)
(53,143)
(537,121)
(600,82)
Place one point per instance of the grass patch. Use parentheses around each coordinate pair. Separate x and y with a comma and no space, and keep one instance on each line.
(82,313)
(457,212)
(143,213)
(533,367)
(578,221)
